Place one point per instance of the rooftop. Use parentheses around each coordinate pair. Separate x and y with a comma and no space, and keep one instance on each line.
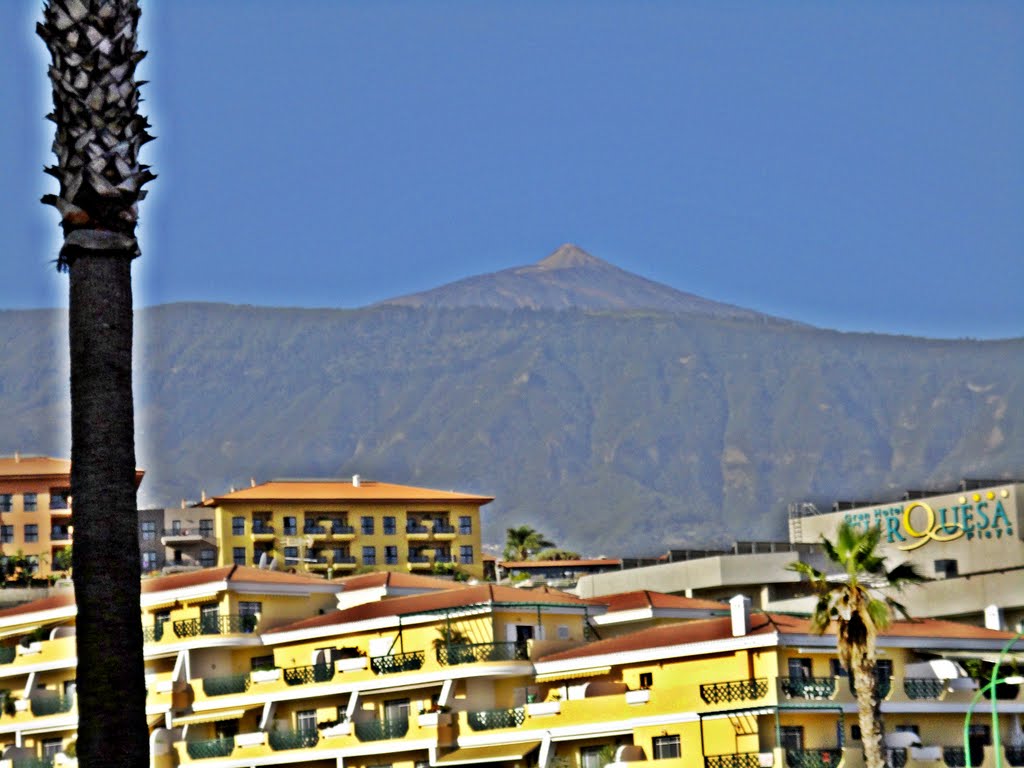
(340,491)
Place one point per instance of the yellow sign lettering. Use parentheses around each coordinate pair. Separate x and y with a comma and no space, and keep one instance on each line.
(932,530)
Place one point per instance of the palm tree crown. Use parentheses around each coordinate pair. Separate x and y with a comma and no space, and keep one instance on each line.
(523,542)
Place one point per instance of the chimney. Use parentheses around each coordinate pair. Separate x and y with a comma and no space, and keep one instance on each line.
(203,494)
(252,482)
(993,617)
(182,503)
(355,481)
(739,606)
(17,457)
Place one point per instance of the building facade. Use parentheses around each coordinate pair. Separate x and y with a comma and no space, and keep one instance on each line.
(336,527)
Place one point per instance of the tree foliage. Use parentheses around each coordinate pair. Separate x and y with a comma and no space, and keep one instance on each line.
(523,543)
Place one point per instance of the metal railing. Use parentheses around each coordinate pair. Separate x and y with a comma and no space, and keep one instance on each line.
(225,685)
(734,690)
(741,760)
(257,529)
(316,673)
(32,762)
(808,687)
(472,652)
(153,633)
(443,528)
(956,757)
(380,730)
(199,750)
(206,533)
(491,719)
(314,530)
(418,558)
(59,536)
(344,559)
(51,705)
(293,739)
(898,757)
(1014,755)
(396,662)
(813,758)
(216,625)
(416,528)
(923,687)
(342,529)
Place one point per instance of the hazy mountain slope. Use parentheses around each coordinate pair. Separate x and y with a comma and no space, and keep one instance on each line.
(570,278)
(614,432)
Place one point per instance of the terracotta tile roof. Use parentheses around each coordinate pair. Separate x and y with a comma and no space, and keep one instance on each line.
(763,624)
(226,573)
(643,598)
(396,580)
(341,491)
(437,601)
(528,564)
(26,466)
(60,600)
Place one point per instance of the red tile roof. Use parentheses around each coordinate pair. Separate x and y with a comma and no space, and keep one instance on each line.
(642,598)
(52,602)
(29,466)
(226,573)
(396,580)
(530,564)
(340,491)
(437,601)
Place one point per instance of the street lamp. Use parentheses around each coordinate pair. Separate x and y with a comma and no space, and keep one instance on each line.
(991,688)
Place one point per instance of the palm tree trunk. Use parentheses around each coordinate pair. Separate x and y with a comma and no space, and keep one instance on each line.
(869,709)
(111,692)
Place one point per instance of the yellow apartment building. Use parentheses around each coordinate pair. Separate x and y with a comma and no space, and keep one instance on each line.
(35,508)
(251,667)
(336,527)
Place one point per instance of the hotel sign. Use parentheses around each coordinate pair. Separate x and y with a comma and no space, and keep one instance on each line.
(910,526)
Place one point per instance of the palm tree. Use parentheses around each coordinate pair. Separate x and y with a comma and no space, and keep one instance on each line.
(522,542)
(94,52)
(854,603)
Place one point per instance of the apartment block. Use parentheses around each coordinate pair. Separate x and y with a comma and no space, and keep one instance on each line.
(336,527)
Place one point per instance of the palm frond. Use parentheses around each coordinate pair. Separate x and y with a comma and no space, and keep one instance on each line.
(905,574)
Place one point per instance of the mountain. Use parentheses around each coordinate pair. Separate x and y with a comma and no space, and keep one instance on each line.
(569,278)
(612,431)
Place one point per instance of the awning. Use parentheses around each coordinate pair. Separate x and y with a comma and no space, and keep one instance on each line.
(575,674)
(489,754)
(212,716)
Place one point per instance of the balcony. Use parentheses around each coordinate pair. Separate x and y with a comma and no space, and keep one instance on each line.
(741,760)
(7,654)
(816,688)
(473,652)
(493,719)
(342,531)
(419,563)
(314,531)
(179,536)
(924,687)
(398,662)
(318,563)
(262,531)
(215,625)
(59,535)
(226,685)
(735,690)
(222,747)
(293,739)
(317,673)
(813,758)
(382,730)
(51,705)
(444,531)
(417,531)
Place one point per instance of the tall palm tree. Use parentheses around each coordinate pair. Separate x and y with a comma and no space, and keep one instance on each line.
(523,542)
(852,600)
(94,52)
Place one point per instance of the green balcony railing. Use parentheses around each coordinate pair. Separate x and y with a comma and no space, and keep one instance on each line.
(52,705)
(734,690)
(473,652)
(956,757)
(222,747)
(380,730)
(153,633)
(293,739)
(317,673)
(32,762)
(741,760)
(923,687)
(396,662)
(808,687)
(490,719)
(228,684)
(813,758)
(216,625)
(7,654)
(898,757)
(1015,755)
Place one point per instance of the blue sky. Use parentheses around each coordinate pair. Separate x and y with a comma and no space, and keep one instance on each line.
(853,165)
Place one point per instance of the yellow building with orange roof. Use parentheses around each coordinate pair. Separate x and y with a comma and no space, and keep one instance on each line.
(336,527)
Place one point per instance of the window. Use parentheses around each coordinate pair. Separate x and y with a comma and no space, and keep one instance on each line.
(238,526)
(261,662)
(799,667)
(305,721)
(238,555)
(465,525)
(883,670)
(396,709)
(175,526)
(249,607)
(854,733)
(51,747)
(792,737)
(31,501)
(6,534)
(59,498)
(391,555)
(369,555)
(946,569)
(466,554)
(208,558)
(149,560)
(666,747)
(5,502)
(646,679)
(342,555)
(592,757)
(366,523)
(31,532)
(206,529)
(563,632)
(209,619)
(291,553)
(148,529)
(290,526)
(389,525)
